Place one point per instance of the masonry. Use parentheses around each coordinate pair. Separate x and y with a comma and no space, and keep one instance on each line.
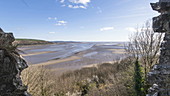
(159,76)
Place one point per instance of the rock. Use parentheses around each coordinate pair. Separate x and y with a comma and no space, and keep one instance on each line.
(11,65)
(164,1)
(159,76)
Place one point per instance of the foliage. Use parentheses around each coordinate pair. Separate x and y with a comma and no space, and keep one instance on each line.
(138,79)
(29,40)
(104,80)
(39,81)
(22,42)
(145,43)
(144,47)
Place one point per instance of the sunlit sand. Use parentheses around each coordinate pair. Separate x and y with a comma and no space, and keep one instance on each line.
(51,62)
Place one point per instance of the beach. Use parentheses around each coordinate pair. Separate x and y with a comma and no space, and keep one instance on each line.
(73,55)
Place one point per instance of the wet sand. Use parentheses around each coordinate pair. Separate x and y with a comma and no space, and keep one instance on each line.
(37,53)
(72,56)
(51,62)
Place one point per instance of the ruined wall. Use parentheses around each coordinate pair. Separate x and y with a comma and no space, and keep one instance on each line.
(159,77)
(11,65)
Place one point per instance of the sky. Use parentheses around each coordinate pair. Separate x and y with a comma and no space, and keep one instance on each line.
(74,20)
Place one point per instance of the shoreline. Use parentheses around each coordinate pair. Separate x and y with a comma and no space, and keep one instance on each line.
(48,55)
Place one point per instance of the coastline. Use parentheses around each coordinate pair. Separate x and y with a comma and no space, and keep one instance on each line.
(30,42)
(68,56)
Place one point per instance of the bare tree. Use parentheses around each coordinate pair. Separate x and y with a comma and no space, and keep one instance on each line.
(145,45)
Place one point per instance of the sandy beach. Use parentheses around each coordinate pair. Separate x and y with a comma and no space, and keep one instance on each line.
(72,56)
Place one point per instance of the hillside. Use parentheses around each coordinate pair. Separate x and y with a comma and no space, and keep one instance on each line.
(107,79)
(30,42)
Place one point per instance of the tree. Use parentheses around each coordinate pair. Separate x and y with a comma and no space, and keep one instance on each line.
(144,46)
(145,43)
(138,79)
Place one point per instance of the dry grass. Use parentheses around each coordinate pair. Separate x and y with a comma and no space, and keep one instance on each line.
(104,80)
(118,51)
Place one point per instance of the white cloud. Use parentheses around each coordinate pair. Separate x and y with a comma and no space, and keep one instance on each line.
(61,23)
(62,1)
(51,32)
(106,28)
(52,18)
(131,29)
(84,2)
(71,6)
(82,7)
(49,18)
(76,6)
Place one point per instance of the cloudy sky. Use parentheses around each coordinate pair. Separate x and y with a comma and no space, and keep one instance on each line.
(74,20)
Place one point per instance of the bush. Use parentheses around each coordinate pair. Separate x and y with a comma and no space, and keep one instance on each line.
(104,80)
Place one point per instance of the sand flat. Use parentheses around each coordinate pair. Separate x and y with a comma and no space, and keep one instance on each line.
(51,62)
(72,56)
(37,53)
(118,51)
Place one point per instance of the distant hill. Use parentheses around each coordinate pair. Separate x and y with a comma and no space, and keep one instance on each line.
(30,42)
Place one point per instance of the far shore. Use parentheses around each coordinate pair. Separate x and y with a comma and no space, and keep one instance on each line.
(26,42)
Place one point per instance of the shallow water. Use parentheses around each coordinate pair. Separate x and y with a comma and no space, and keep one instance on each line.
(89,53)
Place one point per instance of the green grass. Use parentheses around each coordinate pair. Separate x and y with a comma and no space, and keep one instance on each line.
(29,40)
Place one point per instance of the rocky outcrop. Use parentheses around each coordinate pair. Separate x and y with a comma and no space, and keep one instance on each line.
(159,77)
(11,65)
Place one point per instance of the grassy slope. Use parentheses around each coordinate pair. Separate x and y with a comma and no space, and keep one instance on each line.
(30,42)
(104,80)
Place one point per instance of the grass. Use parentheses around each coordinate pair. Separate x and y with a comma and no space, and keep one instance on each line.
(24,41)
(104,80)
(29,40)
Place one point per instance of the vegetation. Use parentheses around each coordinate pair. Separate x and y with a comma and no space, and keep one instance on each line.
(145,43)
(30,42)
(144,47)
(104,80)
(138,79)
(124,78)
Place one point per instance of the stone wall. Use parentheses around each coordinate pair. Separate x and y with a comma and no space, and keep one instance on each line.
(11,65)
(159,76)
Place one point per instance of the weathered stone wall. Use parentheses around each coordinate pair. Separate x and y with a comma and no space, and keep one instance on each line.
(11,65)
(159,77)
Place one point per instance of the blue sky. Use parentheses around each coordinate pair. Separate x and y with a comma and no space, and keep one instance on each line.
(74,20)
